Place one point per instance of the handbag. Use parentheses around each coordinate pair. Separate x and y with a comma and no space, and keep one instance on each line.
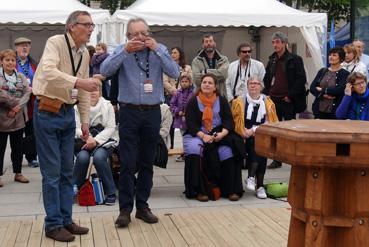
(94,131)
(276,190)
(161,156)
(86,196)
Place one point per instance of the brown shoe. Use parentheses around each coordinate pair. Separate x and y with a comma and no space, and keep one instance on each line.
(202,198)
(20,178)
(76,229)
(146,215)
(234,197)
(124,218)
(60,234)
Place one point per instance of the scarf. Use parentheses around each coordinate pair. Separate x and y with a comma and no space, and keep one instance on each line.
(25,69)
(359,103)
(207,115)
(252,104)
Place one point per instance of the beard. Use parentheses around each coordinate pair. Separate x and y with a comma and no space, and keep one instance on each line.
(209,49)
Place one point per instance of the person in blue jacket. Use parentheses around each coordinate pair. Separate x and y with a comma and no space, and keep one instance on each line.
(355,103)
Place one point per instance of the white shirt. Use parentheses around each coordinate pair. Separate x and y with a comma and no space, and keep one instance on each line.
(254,68)
(365,59)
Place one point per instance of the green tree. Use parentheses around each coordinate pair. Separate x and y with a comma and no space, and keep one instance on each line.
(111,5)
(85,2)
(126,3)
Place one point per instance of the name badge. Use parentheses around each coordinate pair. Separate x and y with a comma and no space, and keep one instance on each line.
(148,88)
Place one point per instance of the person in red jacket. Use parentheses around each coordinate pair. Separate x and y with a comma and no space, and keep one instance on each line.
(27,66)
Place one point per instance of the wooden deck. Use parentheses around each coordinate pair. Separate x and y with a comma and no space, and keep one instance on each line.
(207,227)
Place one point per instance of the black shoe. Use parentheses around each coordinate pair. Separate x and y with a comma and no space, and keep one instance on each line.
(76,229)
(124,218)
(275,164)
(60,234)
(146,215)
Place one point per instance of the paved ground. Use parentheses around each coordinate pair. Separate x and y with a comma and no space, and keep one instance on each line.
(24,201)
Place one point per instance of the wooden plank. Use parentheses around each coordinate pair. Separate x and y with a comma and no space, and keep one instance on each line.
(162,235)
(223,235)
(197,230)
(3,229)
(265,230)
(281,231)
(149,233)
(234,231)
(111,234)
(60,244)
(125,237)
(136,234)
(36,233)
(23,234)
(77,241)
(185,230)
(11,234)
(247,227)
(98,232)
(87,239)
(172,231)
(279,216)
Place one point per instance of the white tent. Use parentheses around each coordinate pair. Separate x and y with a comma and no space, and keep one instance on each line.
(226,13)
(39,19)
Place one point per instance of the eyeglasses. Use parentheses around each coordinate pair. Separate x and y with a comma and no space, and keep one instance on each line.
(246,51)
(254,83)
(87,24)
(360,83)
(145,34)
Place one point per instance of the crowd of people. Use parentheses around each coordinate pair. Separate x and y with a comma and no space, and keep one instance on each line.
(77,105)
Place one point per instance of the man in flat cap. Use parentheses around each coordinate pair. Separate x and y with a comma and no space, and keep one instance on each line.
(27,66)
(284,81)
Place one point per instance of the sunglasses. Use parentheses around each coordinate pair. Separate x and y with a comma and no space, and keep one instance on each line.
(244,51)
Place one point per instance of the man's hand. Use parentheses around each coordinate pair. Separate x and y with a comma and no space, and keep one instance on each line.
(85,131)
(134,45)
(319,89)
(99,76)
(90,143)
(16,109)
(89,84)
(151,43)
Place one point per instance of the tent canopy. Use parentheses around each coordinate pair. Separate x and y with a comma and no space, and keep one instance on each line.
(46,11)
(220,13)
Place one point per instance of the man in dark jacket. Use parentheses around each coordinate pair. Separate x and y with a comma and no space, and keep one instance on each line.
(284,81)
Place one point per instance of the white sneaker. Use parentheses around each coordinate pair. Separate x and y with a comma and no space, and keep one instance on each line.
(250,183)
(260,193)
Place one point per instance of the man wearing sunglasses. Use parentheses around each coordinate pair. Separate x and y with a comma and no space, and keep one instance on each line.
(284,81)
(241,70)
(61,80)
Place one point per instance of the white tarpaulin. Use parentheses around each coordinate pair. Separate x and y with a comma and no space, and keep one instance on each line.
(229,13)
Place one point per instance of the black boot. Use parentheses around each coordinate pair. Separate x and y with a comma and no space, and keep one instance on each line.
(231,177)
(192,176)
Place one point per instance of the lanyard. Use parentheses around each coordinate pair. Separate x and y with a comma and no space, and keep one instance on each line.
(71,57)
(145,69)
(239,74)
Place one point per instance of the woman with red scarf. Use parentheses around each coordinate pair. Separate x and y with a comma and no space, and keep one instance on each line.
(209,122)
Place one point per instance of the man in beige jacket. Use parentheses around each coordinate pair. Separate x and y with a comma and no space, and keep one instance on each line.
(61,81)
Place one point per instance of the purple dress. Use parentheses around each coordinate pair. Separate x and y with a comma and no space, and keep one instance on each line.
(178,103)
(191,145)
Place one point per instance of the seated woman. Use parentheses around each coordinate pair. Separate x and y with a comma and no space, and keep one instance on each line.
(328,86)
(209,121)
(355,103)
(249,112)
(98,144)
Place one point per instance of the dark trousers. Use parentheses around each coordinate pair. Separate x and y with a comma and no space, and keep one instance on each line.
(138,130)
(28,131)
(16,155)
(285,111)
(257,163)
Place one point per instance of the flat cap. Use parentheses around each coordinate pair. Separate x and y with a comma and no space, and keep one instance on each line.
(21,40)
(279,35)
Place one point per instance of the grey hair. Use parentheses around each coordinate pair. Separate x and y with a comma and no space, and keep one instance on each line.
(134,20)
(255,78)
(73,18)
(279,35)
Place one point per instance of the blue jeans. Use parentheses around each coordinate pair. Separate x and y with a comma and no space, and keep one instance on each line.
(139,136)
(101,163)
(54,144)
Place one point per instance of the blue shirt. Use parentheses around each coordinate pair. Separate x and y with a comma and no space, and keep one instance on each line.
(132,75)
